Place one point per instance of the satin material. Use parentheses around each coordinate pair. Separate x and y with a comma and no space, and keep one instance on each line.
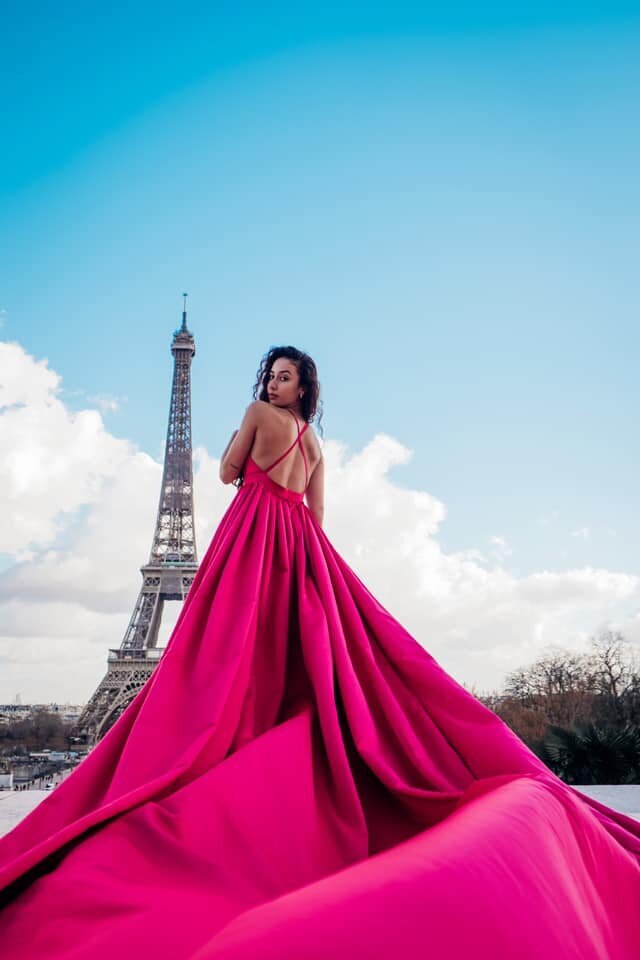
(300,778)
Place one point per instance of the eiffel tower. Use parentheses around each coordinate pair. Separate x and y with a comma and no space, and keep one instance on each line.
(171,567)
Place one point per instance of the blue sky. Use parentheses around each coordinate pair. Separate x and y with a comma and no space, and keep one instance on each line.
(441,207)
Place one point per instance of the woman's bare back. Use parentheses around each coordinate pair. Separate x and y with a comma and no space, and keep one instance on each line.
(276,431)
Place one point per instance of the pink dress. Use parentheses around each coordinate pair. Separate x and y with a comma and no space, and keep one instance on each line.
(299,778)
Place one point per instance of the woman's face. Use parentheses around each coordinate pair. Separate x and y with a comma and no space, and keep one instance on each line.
(283,383)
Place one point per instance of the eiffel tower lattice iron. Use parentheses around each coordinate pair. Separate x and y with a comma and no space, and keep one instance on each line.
(172,564)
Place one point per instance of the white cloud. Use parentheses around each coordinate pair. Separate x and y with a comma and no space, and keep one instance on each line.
(105,402)
(479,620)
(582,532)
(501,549)
(54,461)
(501,544)
(80,507)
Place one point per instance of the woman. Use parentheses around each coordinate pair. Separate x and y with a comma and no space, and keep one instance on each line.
(289,388)
(300,778)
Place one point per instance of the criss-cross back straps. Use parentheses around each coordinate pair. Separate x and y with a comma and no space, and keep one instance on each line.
(298,439)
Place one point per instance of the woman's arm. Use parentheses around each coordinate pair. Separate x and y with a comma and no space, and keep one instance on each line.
(236,451)
(315,492)
(227,446)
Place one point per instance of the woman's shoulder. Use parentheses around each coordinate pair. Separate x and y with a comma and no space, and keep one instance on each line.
(259,411)
(264,409)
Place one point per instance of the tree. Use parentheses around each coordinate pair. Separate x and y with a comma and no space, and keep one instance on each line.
(580,712)
(591,753)
(615,678)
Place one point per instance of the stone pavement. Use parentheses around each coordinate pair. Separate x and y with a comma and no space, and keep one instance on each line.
(16,804)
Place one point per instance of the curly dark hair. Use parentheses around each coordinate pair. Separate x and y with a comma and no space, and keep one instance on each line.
(310,402)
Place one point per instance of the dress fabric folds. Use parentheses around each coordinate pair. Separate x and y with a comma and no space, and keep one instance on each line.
(300,778)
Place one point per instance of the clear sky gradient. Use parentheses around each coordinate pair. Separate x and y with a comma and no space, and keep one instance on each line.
(441,207)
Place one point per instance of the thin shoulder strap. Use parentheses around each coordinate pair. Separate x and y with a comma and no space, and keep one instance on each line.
(289,449)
